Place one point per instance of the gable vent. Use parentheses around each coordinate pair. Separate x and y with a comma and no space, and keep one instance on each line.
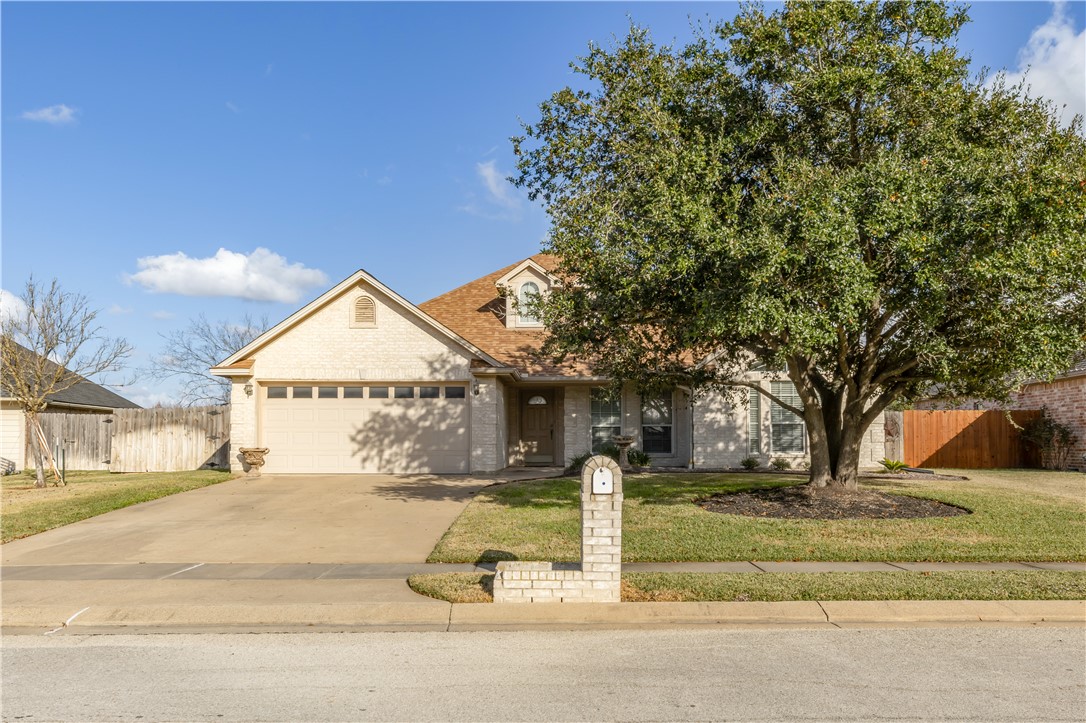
(365,312)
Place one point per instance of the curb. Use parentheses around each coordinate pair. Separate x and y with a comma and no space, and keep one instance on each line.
(446,617)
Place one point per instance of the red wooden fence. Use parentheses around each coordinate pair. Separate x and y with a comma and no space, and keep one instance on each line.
(967,439)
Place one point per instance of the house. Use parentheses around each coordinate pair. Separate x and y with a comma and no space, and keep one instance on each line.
(83,397)
(361,380)
(1064,399)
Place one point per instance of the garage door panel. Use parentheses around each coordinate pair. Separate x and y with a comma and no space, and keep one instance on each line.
(353,435)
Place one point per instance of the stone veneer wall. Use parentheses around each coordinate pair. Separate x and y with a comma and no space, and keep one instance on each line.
(598,577)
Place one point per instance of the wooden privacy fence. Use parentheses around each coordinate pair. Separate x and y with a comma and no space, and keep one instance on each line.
(143,440)
(966,439)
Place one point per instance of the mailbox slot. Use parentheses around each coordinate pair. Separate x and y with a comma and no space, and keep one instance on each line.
(603,481)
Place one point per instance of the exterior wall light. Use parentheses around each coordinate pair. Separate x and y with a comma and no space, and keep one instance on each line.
(248,389)
(475,388)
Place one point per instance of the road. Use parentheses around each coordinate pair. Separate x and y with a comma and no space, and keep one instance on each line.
(982,673)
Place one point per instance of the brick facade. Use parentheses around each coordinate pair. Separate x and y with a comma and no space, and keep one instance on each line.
(1065,400)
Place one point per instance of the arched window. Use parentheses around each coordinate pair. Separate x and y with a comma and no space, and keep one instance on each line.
(529,294)
(364,313)
(537,401)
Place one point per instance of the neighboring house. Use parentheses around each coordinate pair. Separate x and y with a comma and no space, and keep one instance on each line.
(84,397)
(361,380)
(1065,400)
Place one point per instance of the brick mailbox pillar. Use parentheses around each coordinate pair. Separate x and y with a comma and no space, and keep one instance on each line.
(598,576)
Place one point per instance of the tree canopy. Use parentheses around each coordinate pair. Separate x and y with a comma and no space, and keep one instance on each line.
(822,189)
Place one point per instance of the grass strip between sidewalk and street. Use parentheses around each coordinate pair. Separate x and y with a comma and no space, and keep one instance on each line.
(465,587)
(26,510)
(1017,515)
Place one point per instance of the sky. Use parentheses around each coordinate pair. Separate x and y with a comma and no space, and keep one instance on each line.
(167,160)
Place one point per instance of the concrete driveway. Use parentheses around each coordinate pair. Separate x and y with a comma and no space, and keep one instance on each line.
(272,519)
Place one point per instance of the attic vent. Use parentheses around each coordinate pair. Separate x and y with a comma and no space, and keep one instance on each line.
(365,313)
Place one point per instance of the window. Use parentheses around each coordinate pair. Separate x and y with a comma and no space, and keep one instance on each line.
(378,392)
(303,392)
(606,416)
(429,392)
(277,392)
(754,423)
(537,401)
(455,392)
(364,313)
(789,433)
(656,424)
(352,392)
(327,392)
(529,294)
(405,392)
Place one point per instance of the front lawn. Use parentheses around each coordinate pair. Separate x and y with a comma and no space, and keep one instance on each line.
(1018,515)
(775,587)
(26,510)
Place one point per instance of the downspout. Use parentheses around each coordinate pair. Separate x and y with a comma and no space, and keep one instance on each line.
(689,392)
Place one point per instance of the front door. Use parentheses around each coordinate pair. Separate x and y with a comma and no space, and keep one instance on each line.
(537,426)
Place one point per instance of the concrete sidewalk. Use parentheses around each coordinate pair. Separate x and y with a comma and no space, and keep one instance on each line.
(265,597)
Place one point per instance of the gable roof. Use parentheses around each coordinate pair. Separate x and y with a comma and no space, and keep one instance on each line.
(84,393)
(241,363)
(476,311)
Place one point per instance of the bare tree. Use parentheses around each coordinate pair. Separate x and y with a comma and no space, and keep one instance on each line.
(191,351)
(48,343)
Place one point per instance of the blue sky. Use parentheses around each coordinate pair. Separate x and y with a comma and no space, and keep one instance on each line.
(268,150)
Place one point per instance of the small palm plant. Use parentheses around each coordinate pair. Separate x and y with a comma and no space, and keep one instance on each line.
(895,466)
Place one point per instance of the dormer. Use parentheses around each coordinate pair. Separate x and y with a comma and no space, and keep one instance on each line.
(527,281)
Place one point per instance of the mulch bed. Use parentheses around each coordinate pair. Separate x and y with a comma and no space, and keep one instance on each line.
(802,502)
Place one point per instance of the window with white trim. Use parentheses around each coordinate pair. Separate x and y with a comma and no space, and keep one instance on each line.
(528,295)
(656,424)
(606,416)
(789,433)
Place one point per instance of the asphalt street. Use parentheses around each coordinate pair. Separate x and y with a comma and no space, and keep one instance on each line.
(981,673)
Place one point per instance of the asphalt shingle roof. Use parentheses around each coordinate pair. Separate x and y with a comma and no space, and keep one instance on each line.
(476,311)
(84,393)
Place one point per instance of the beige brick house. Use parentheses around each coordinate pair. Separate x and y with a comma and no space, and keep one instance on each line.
(361,380)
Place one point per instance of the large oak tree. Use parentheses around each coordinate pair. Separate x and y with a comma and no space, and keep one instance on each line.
(822,190)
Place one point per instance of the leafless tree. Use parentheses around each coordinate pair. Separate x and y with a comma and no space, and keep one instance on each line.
(48,343)
(191,351)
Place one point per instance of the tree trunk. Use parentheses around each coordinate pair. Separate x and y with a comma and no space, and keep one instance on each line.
(834,447)
(35,446)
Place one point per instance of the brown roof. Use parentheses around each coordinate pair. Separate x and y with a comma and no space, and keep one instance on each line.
(476,311)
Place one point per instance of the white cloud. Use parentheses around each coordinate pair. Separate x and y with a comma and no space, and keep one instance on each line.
(163,315)
(1053,63)
(56,115)
(498,200)
(118,309)
(260,276)
(232,108)
(499,189)
(10,305)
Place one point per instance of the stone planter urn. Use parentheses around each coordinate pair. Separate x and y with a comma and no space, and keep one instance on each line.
(623,442)
(254,457)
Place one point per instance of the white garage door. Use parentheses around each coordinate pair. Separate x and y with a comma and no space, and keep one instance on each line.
(421,428)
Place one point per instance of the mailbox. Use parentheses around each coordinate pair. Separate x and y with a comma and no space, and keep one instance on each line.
(603,481)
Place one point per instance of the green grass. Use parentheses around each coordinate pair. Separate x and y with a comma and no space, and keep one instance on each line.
(27,511)
(1025,515)
(775,587)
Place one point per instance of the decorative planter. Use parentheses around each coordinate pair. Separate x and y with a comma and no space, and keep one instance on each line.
(623,442)
(254,458)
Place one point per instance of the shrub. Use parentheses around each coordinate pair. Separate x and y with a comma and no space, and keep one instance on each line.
(781,463)
(1053,439)
(635,456)
(895,466)
(750,462)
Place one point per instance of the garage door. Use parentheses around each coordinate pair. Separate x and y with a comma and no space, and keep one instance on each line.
(422,428)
